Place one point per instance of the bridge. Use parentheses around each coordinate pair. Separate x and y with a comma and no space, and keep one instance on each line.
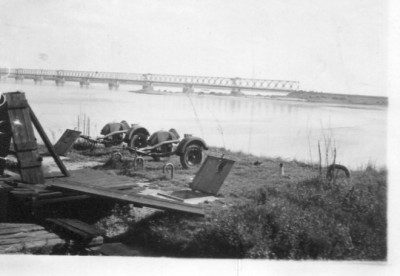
(148,81)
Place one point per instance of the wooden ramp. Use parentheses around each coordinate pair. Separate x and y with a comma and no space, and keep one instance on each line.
(27,238)
(98,183)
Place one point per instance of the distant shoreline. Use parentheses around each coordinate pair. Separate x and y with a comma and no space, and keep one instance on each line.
(338,98)
(303,96)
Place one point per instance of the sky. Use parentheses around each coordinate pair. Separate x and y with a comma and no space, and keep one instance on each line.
(329,46)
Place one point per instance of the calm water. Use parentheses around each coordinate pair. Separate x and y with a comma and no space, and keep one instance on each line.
(262,127)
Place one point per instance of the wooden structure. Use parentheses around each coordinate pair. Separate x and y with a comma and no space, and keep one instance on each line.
(81,185)
(101,184)
(23,138)
(66,141)
(22,120)
(27,238)
(85,235)
(211,175)
(33,190)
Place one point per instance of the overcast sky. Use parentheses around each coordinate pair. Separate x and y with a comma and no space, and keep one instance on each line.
(327,45)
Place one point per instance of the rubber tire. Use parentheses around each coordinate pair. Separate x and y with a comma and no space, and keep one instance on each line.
(332,168)
(185,157)
(138,141)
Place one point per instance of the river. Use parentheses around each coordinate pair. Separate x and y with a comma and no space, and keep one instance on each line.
(261,126)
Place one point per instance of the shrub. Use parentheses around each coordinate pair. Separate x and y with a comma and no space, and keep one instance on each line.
(314,219)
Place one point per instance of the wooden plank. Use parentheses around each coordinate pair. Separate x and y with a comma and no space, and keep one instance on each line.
(66,141)
(24,139)
(30,245)
(26,237)
(20,121)
(142,200)
(40,202)
(98,178)
(211,175)
(16,100)
(12,230)
(76,226)
(122,186)
(171,197)
(49,195)
(9,238)
(47,142)
(17,225)
(72,229)
(29,159)
(89,236)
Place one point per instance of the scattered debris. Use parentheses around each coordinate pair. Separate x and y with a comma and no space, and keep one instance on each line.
(281,170)
(64,144)
(159,144)
(334,169)
(171,197)
(212,174)
(27,238)
(84,235)
(169,167)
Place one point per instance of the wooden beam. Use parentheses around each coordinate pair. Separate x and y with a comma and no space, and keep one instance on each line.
(40,202)
(142,200)
(47,142)
(24,139)
(171,197)
(77,227)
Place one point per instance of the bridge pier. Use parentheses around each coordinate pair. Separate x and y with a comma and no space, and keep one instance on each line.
(84,82)
(148,87)
(60,81)
(19,78)
(188,88)
(38,80)
(236,89)
(113,84)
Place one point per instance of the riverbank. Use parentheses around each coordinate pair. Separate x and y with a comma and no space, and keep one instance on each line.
(304,96)
(338,98)
(258,213)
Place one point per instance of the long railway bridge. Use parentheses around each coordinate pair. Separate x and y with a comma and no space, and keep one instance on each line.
(148,81)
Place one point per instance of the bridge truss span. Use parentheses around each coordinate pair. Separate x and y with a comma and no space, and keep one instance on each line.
(148,80)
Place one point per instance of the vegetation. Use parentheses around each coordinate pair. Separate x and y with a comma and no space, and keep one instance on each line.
(263,214)
(312,96)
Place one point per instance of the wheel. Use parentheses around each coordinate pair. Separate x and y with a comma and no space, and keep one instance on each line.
(138,141)
(192,156)
(336,171)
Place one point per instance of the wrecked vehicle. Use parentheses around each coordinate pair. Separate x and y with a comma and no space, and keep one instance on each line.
(159,144)
(167,143)
(113,133)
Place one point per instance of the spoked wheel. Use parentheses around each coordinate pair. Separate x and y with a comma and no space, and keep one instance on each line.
(138,141)
(193,156)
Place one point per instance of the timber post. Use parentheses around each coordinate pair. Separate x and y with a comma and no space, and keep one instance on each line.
(24,140)
(47,142)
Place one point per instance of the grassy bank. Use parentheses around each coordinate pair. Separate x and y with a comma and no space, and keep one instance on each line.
(261,214)
(338,98)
